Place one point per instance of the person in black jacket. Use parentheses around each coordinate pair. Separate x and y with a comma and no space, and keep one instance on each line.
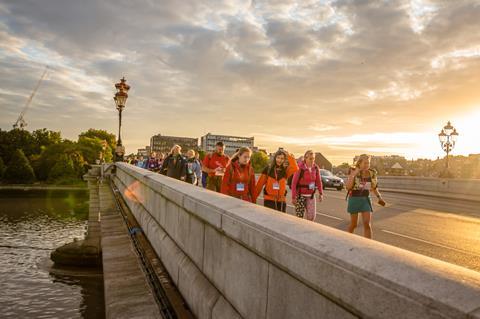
(175,165)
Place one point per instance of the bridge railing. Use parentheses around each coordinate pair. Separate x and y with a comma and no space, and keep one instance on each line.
(468,189)
(232,259)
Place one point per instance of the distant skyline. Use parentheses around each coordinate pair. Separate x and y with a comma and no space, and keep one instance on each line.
(338,77)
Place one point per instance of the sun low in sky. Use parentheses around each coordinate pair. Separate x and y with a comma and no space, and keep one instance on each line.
(340,77)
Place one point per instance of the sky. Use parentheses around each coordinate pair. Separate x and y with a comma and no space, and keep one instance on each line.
(339,77)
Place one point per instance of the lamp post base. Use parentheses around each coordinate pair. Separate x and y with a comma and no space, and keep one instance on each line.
(119,152)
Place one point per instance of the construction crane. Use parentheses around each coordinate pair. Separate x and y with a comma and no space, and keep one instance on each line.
(21,123)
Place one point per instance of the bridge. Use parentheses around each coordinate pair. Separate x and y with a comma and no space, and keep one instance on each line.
(170,249)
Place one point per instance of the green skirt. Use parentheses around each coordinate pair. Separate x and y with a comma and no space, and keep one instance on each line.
(359,204)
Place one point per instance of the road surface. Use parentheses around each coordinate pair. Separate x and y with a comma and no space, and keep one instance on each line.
(444,229)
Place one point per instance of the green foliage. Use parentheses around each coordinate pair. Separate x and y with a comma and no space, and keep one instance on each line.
(91,148)
(19,170)
(103,135)
(259,161)
(29,143)
(201,155)
(2,168)
(45,161)
(54,159)
(63,169)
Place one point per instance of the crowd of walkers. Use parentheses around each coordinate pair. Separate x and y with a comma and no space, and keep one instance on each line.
(235,177)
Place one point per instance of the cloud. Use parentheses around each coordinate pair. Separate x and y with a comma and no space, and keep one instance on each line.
(284,69)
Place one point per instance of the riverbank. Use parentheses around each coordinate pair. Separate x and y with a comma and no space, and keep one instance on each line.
(28,187)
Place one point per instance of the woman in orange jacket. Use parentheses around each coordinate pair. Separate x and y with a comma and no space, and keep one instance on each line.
(274,178)
(239,178)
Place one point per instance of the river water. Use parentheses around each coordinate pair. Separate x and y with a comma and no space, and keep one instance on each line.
(32,224)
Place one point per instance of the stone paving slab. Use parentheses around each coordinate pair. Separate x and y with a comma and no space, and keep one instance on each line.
(127,293)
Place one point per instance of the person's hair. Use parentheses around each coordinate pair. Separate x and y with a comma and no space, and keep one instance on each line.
(240,153)
(174,147)
(308,152)
(273,163)
(193,151)
(360,160)
(220,143)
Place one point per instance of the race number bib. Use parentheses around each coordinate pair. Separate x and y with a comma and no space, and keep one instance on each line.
(367,186)
(276,186)
(311,186)
(240,187)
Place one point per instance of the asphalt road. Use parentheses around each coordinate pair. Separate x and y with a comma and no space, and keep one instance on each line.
(444,229)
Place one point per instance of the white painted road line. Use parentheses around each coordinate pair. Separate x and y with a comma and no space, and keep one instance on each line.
(318,213)
(430,243)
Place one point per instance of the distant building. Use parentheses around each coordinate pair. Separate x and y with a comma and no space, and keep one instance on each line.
(142,152)
(383,164)
(232,143)
(163,143)
(396,170)
(323,162)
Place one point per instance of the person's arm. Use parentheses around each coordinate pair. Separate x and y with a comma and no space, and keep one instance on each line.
(251,187)
(375,188)
(164,168)
(292,165)
(294,186)
(198,171)
(351,179)
(260,184)
(225,189)
(205,167)
(183,172)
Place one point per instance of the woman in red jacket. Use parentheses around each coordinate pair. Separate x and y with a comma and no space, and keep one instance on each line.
(304,184)
(239,178)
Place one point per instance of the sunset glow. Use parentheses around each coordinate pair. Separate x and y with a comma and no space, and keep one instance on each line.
(342,78)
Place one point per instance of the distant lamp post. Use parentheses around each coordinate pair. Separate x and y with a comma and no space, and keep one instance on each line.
(448,137)
(120,99)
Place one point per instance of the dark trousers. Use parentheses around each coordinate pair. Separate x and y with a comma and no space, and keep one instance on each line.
(280,206)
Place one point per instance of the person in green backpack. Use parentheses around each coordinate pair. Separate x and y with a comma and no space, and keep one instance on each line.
(362,181)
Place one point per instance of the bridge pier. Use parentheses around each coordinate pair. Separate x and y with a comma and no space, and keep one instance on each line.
(86,252)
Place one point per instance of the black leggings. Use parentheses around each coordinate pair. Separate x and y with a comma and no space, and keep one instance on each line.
(280,206)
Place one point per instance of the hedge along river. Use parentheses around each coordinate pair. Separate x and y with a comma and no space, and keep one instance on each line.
(32,224)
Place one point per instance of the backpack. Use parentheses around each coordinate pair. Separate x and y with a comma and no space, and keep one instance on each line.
(290,179)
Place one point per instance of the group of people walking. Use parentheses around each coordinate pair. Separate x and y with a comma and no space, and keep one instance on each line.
(235,177)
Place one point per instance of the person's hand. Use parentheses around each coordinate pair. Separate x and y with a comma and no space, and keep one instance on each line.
(294,201)
(354,171)
(381,202)
(320,198)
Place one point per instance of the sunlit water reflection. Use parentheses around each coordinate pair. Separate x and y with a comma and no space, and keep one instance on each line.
(32,224)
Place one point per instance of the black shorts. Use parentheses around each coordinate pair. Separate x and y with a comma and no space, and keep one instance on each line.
(280,206)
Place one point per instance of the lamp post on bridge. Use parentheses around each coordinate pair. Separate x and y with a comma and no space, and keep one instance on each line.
(120,99)
(448,137)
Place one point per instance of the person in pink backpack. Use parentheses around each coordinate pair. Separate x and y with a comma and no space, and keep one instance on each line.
(305,183)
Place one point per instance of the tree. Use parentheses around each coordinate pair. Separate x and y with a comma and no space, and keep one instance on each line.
(63,169)
(201,155)
(103,135)
(91,147)
(44,162)
(44,138)
(19,170)
(15,139)
(2,168)
(259,161)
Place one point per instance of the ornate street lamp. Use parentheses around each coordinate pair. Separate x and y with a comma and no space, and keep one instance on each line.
(448,137)
(120,99)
